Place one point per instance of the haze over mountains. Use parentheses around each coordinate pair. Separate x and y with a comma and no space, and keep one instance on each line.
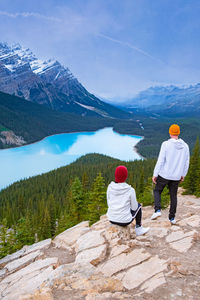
(49,83)
(170,100)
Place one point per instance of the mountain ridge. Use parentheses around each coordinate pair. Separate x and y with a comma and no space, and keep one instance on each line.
(49,83)
(168,100)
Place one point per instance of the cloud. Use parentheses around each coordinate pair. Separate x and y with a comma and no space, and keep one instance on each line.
(29,14)
(128,45)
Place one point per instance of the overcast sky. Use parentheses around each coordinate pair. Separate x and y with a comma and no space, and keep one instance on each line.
(115,48)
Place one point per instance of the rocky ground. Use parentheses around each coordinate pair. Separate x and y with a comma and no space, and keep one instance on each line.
(109,262)
(10,138)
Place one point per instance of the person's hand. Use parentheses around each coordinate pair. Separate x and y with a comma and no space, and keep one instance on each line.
(154,178)
(182,178)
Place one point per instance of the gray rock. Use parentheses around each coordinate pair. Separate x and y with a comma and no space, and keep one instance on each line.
(13,256)
(33,267)
(193,221)
(89,240)
(26,250)
(22,261)
(26,284)
(71,235)
(182,245)
(94,255)
(142,272)
(178,235)
(123,261)
(153,283)
(45,244)
(83,270)
(2,272)
(118,249)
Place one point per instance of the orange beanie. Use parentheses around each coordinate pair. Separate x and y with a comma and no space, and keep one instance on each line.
(174,129)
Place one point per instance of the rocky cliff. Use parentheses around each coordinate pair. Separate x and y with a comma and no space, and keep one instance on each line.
(105,261)
(10,138)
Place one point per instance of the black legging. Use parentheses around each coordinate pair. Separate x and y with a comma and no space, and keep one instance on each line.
(136,214)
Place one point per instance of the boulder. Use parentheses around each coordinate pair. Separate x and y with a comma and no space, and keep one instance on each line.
(26,250)
(27,284)
(123,261)
(93,255)
(89,240)
(42,245)
(182,245)
(69,237)
(142,272)
(120,232)
(27,279)
(118,249)
(178,235)
(23,260)
(193,221)
(12,256)
(153,283)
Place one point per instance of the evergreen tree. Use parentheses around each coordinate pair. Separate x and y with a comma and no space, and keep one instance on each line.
(85,182)
(24,233)
(64,222)
(197,185)
(76,201)
(141,182)
(52,213)
(146,197)
(97,199)
(7,240)
(192,179)
(45,231)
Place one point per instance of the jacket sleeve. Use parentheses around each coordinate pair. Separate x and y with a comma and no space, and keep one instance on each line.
(187,161)
(107,193)
(134,203)
(160,161)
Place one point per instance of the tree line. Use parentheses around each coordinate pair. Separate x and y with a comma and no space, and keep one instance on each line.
(192,180)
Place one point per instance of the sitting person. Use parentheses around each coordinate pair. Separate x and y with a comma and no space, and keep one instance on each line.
(123,207)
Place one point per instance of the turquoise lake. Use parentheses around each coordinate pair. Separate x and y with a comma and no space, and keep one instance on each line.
(62,149)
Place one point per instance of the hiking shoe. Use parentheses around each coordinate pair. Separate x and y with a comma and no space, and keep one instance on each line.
(172,221)
(156,215)
(141,230)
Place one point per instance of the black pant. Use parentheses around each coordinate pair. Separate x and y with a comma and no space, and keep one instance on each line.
(136,214)
(173,188)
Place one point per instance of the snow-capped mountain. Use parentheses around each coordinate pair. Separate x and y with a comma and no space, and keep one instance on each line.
(170,99)
(49,83)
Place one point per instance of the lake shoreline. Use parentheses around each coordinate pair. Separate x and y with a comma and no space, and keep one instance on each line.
(62,149)
(71,132)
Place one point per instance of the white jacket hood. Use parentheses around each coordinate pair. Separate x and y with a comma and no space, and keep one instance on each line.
(121,198)
(178,144)
(119,188)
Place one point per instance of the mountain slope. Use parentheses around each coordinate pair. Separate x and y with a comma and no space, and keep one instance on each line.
(170,100)
(33,122)
(49,83)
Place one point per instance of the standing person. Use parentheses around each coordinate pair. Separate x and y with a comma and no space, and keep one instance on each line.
(171,168)
(123,207)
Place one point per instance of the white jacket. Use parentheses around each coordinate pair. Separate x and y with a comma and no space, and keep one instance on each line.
(121,198)
(173,160)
